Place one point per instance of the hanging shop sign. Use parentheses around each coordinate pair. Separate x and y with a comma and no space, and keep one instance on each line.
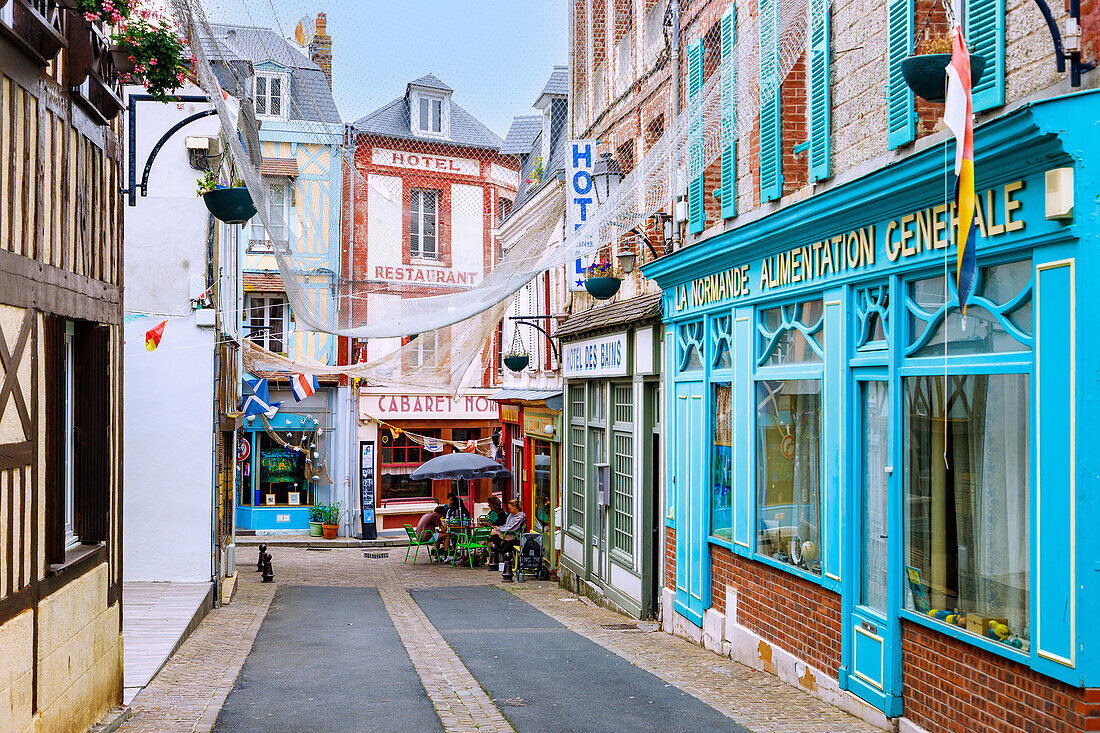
(541,425)
(580,200)
(398,406)
(999,211)
(422,162)
(509,414)
(603,356)
(244,449)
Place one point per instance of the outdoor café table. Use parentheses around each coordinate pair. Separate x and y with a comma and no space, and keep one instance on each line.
(459,532)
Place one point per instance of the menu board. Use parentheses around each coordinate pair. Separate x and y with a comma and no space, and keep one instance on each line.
(366,488)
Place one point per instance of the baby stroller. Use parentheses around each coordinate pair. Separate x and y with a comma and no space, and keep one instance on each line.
(529,559)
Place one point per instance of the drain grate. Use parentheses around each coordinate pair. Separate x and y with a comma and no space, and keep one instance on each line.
(319,549)
(376,555)
(620,627)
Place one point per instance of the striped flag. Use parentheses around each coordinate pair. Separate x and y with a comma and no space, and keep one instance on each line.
(303,385)
(958,114)
(154,335)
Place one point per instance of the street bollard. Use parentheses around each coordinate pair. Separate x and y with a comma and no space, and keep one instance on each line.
(269,574)
(260,559)
(506,576)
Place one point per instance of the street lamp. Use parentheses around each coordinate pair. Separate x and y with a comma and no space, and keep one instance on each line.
(606,177)
(626,261)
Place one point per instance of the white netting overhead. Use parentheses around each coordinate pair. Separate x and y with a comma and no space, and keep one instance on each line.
(408,251)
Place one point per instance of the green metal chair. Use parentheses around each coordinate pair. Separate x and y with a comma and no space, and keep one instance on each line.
(477,539)
(416,542)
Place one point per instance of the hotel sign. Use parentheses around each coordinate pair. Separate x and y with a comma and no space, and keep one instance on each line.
(581,201)
(424,162)
(604,356)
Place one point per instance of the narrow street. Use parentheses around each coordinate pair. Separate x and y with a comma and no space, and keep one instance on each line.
(343,642)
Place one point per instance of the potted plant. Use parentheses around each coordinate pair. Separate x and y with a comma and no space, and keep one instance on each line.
(316,518)
(602,280)
(330,523)
(516,360)
(925,73)
(159,55)
(231,204)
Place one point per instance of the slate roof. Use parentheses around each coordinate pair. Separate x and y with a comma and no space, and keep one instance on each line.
(392,120)
(310,95)
(635,310)
(558,83)
(524,395)
(521,135)
(431,82)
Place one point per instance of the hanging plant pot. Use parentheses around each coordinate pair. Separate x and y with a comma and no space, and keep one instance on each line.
(231,205)
(517,362)
(925,75)
(602,288)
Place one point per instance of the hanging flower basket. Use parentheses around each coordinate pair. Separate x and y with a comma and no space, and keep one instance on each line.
(925,75)
(517,362)
(231,205)
(602,280)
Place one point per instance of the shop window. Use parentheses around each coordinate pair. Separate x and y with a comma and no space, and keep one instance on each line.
(540,512)
(792,334)
(998,316)
(399,457)
(577,467)
(720,337)
(872,317)
(967,476)
(282,479)
(788,471)
(622,498)
(721,462)
(423,217)
(689,346)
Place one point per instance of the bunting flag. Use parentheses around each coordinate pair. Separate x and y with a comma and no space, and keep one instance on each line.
(254,405)
(394,432)
(303,385)
(958,115)
(153,335)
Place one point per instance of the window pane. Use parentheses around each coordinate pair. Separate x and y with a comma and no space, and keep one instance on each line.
(595,401)
(276,105)
(722,361)
(576,476)
(967,517)
(622,500)
(721,463)
(424,114)
(875,409)
(788,470)
(437,115)
(790,345)
(261,95)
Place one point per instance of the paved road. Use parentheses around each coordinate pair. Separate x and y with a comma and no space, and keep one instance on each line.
(544,677)
(327,659)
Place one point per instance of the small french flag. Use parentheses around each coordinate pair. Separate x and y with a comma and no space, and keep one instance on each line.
(303,385)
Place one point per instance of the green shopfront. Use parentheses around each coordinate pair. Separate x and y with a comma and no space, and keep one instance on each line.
(868,491)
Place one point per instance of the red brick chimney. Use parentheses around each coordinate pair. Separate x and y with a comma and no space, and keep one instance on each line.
(320,48)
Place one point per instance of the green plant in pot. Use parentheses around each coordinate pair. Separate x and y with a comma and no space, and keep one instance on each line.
(330,521)
(231,204)
(926,72)
(602,280)
(316,518)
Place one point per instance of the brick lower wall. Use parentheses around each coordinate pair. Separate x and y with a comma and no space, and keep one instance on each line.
(670,557)
(949,685)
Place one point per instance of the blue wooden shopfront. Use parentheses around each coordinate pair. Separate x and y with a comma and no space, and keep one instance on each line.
(285,512)
(833,415)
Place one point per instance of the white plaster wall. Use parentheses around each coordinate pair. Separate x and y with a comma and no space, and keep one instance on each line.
(168,393)
(467,229)
(383,222)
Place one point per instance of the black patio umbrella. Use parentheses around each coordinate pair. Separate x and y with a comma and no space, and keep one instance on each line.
(460,466)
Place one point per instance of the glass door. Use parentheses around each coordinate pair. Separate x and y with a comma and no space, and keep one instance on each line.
(872,631)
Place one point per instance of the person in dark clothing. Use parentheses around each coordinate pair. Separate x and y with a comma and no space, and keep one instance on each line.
(496,513)
(456,508)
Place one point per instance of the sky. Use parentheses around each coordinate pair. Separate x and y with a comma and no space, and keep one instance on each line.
(495,54)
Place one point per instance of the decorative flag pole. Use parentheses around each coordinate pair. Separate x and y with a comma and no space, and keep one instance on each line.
(958,114)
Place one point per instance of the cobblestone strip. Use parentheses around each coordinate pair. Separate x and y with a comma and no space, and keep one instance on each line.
(462,704)
(757,700)
(188,692)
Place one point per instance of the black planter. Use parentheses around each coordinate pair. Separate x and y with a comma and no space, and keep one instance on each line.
(121,59)
(518,362)
(925,74)
(231,205)
(602,288)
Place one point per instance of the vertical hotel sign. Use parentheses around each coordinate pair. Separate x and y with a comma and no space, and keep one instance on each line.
(582,200)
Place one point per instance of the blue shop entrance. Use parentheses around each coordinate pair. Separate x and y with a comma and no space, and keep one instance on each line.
(276,488)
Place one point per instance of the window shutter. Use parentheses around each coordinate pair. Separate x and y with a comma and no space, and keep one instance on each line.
(54,336)
(901,125)
(92,389)
(985,32)
(771,171)
(697,216)
(821,158)
(729,113)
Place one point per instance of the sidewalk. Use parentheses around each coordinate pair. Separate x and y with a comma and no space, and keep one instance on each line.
(156,619)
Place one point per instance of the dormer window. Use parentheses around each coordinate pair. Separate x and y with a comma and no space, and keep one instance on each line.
(271,92)
(431,115)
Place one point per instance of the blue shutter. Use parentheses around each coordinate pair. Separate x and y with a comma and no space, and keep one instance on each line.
(697,215)
(901,125)
(771,171)
(729,113)
(821,158)
(985,32)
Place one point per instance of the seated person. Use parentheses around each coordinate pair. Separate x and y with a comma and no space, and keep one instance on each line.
(431,527)
(496,514)
(456,509)
(506,536)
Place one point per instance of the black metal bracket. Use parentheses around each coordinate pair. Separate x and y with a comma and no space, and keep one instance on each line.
(526,321)
(132,189)
(1076,66)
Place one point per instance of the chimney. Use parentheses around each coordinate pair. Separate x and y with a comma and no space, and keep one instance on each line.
(320,48)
